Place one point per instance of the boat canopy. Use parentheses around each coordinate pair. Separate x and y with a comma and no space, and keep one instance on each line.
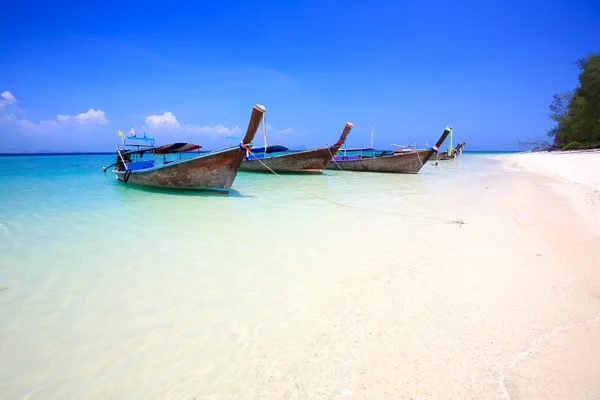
(270,149)
(179,147)
(167,149)
(144,138)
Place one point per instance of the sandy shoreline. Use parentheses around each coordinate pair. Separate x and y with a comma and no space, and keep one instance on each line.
(513,314)
(568,356)
(577,166)
(575,175)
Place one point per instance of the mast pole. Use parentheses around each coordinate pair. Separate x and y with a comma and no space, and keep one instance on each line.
(372,132)
(265,133)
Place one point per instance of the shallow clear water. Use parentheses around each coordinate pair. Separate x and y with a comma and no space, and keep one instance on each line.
(108,289)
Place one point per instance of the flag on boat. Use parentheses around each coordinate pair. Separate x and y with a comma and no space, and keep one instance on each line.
(132,132)
(120,133)
(435,148)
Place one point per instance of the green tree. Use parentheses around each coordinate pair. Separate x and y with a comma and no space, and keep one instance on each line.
(558,111)
(577,113)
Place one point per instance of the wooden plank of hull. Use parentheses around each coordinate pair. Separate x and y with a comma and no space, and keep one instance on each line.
(408,163)
(215,172)
(309,161)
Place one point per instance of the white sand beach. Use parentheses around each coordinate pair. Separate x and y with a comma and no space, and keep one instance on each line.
(481,281)
(575,175)
(504,307)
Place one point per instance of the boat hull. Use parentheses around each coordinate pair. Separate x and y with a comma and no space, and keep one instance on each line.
(444,156)
(457,151)
(212,172)
(407,163)
(309,161)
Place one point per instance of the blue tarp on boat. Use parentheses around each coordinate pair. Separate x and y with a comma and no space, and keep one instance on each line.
(135,166)
(270,149)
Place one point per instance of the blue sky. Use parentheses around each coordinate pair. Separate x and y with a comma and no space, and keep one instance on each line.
(73,74)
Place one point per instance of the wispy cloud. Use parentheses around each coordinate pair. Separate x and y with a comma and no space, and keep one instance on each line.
(91,117)
(169,121)
(286,131)
(7,98)
(214,130)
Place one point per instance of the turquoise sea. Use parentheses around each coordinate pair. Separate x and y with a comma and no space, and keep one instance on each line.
(112,291)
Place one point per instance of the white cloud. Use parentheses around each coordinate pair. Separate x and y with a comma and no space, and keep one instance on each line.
(167,120)
(215,130)
(7,98)
(9,118)
(26,123)
(286,131)
(90,117)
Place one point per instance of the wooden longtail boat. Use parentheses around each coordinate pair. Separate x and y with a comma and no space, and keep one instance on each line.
(453,154)
(213,171)
(307,161)
(409,162)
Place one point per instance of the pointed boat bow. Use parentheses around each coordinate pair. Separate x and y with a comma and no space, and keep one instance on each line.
(442,138)
(258,111)
(343,137)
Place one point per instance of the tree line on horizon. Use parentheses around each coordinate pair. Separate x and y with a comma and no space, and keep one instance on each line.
(577,112)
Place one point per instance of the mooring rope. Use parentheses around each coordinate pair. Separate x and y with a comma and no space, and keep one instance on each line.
(419,157)
(333,159)
(457,222)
